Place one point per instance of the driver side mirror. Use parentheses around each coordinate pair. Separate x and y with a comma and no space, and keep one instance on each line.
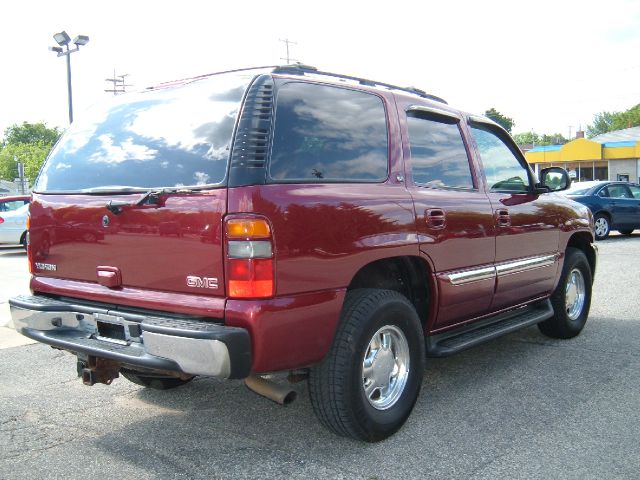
(554,179)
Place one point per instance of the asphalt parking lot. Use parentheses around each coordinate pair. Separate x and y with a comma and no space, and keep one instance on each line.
(523,406)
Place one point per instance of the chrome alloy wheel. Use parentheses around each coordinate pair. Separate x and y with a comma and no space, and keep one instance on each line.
(385,367)
(575,294)
(601,227)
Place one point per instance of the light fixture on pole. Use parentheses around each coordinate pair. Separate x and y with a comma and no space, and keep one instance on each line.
(63,39)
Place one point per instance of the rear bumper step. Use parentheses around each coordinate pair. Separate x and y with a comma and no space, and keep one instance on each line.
(448,343)
(193,347)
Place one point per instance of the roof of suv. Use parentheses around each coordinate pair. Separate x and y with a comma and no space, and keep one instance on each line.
(306,70)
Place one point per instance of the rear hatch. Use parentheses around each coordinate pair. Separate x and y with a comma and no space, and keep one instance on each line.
(133,196)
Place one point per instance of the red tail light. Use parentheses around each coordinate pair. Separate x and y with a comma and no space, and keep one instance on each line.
(250,269)
(29,251)
(1,220)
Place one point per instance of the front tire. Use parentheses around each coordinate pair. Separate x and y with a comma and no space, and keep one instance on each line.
(571,299)
(602,227)
(369,381)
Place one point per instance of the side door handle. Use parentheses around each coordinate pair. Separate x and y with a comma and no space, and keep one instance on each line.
(503,219)
(436,218)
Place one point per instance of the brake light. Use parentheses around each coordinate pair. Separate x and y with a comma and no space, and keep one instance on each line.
(250,272)
(29,251)
(1,220)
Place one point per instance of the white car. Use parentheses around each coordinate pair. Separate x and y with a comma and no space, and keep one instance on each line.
(13,226)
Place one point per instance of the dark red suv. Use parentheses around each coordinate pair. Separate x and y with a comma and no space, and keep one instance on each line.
(286,219)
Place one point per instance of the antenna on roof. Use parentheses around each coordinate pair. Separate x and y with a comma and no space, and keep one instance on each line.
(288,42)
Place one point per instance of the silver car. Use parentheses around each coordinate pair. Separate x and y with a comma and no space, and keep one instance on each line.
(13,226)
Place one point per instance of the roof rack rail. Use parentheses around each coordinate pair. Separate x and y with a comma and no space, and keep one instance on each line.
(301,69)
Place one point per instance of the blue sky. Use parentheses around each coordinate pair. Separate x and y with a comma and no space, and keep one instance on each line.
(550,65)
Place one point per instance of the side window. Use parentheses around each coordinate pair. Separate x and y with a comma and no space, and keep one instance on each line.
(11,205)
(325,133)
(619,191)
(604,193)
(502,168)
(635,190)
(438,154)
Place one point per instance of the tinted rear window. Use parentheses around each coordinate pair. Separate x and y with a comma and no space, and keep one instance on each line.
(162,138)
(327,133)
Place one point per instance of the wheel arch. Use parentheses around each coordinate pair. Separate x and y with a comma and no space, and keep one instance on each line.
(584,241)
(408,275)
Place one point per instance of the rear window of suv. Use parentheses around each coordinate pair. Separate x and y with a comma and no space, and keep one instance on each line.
(328,134)
(168,137)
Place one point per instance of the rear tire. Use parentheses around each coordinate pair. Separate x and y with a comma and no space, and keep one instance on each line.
(156,382)
(23,241)
(571,299)
(369,381)
(602,226)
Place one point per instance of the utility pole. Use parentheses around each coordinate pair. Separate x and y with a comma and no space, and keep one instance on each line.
(118,83)
(570,127)
(288,42)
(20,173)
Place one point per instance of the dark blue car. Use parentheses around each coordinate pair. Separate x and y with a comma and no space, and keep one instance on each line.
(615,205)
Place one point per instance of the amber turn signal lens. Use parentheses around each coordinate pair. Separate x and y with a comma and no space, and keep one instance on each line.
(248,228)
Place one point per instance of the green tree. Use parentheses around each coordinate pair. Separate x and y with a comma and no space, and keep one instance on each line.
(604,122)
(627,119)
(32,155)
(506,122)
(532,138)
(527,138)
(28,143)
(30,133)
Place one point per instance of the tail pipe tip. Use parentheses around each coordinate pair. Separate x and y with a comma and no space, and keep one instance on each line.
(281,394)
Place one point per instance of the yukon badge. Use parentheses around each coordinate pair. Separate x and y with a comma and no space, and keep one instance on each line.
(202,282)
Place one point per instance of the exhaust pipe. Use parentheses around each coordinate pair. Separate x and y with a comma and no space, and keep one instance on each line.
(281,394)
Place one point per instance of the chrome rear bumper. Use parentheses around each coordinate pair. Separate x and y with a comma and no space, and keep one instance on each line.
(193,347)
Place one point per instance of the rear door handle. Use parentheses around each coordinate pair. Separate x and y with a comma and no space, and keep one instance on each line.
(436,218)
(503,219)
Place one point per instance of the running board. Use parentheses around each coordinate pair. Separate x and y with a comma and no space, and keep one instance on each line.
(451,342)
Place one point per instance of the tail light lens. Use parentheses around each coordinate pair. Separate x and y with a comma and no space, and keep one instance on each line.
(29,252)
(1,220)
(250,272)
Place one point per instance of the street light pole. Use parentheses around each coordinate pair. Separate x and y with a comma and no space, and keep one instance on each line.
(69,94)
(63,40)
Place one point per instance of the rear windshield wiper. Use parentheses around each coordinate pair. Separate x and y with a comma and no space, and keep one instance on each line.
(150,197)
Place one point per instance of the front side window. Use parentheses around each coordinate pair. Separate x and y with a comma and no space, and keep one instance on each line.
(501,167)
(438,154)
(325,133)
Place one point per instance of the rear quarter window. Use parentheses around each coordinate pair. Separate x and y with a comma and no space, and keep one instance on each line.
(328,134)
